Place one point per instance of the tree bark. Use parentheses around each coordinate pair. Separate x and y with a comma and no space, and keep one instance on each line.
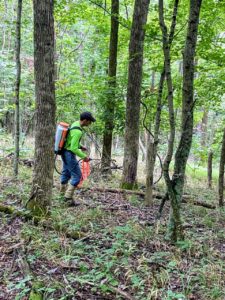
(17,88)
(167,64)
(152,144)
(110,101)
(221,172)
(209,169)
(152,147)
(175,188)
(4,25)
(204,128)
(136,47)
(143,150)
(44,69)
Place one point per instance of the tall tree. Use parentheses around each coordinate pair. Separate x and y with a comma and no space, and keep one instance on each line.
(221,172)
(136,46)
(44,70)
(166,73)
(176,185)
(110,101)
(153,144)
(209,168)
(17,87)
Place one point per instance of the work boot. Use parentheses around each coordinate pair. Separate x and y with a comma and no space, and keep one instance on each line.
(69,192)
(69,196)
(63,187)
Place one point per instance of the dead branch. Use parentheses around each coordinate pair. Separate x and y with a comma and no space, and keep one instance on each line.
(122,293)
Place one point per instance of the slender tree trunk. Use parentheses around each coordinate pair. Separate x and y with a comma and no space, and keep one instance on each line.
(167,161)
(204,128)
(9,34)
(143,150)
(44,69)
(134,93)
(4,25)
(17,88)
(166,51)
(152,148)
(80,57)
(150,164)
(175,189)
(221,172)
(210,158)
(152,145)
(110,102)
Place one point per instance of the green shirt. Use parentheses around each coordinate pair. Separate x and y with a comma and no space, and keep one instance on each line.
(73,140)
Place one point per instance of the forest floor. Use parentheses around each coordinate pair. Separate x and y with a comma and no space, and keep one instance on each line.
(120,254)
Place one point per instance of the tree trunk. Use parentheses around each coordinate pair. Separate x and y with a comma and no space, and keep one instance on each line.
(44,69)
(175,190)
(150,164)
(142,147)
(153,145)
(210,158)
(17,88)
(110,101)
(134,93)
(4,25)
(204,128)
(167,64)
(221,172)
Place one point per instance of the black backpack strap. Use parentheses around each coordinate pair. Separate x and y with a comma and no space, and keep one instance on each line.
(75,127)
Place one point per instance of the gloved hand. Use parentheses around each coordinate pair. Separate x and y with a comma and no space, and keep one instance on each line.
(83,148)
(86,159)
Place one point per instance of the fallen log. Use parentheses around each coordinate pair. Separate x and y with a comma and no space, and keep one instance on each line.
(185,199)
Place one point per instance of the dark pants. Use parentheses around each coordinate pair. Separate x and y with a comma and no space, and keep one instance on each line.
(71,169)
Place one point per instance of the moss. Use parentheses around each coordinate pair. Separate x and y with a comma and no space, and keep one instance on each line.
(129,186)
(35,296)
(37,209)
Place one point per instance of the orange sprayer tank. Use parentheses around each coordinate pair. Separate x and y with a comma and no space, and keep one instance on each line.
(60,136)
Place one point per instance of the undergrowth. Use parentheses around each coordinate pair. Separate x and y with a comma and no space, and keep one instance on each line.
(117,257)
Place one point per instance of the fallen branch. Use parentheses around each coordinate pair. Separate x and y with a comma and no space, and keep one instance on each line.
(24,161)
(118,191)
(122,293)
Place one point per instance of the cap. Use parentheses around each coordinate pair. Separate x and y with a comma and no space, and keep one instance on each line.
(88,116)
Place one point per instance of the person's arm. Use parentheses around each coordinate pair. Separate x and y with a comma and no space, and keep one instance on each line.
(75,144)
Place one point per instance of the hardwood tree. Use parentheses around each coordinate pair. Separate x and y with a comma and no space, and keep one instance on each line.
(165,74)
(221,172)
(17,87)
(110,101)
(209,168)
(44,69)
(131,140)
(176,185)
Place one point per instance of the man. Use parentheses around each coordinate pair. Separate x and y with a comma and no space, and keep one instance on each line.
(71,169)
